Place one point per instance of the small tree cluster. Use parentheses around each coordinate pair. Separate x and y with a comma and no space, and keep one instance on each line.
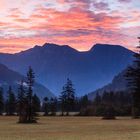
(108,105)
(10,102)
(50,106)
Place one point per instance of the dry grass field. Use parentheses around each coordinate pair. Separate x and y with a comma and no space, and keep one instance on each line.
(70,128)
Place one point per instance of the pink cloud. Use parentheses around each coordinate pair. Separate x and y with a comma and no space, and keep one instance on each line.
(77,25)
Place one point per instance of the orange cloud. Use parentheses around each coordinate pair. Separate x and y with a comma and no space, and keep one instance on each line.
(76,18)
(78,26)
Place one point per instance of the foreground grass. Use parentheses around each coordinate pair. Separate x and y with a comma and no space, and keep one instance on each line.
(70,128)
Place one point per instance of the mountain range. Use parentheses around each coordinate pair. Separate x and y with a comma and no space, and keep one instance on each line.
(53,64)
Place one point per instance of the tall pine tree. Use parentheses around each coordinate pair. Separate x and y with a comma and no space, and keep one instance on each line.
(108,103)
(30,82)
(26,100)
(69,94)
(133,77)
(36,104)
(11,102)
(1,101)
(22,104)
(45,106)
(53,106)
(62,100)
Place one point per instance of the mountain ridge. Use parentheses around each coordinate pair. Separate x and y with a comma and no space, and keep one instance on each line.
(118,84)
(51,44)
(88,70)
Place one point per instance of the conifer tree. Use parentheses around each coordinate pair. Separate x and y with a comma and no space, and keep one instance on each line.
(62,100)
(1,101)
(46,106)
(53,106)
(84,102)
(133,77)
(22,104)
(108,102)
(69,94)
(11,102)
(36,104)
(97,100)
(30,82)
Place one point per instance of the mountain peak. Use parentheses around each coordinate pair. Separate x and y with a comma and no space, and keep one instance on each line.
(55,47)
(37,46)
(107,47)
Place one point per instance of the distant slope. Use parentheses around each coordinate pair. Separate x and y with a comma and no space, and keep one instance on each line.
(119,83)
(53,64)
(11,78)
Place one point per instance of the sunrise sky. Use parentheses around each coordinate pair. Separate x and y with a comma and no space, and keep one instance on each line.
(78,23)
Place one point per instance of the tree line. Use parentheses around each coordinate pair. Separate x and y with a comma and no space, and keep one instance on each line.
(27,105)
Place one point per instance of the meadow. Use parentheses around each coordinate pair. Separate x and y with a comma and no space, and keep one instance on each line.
(70,128)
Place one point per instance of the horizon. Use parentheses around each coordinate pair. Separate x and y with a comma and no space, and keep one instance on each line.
(80,24)
(64,45)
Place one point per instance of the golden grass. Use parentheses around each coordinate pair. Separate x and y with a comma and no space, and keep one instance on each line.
(70,128)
